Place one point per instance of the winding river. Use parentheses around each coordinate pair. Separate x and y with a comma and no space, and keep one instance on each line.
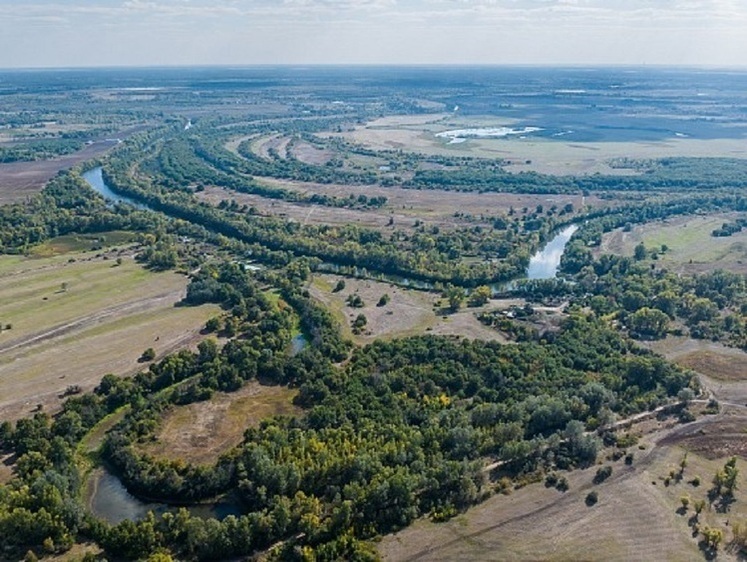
(107,496)
(543,265)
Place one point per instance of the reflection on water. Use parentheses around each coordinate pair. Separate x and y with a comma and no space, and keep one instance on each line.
(544,264)
(112,502)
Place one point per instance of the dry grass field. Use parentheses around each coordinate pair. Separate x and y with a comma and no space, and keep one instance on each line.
(691,246)
(723,370)
(408,313)
(201,432)
(404,206)
(77,316)
(639,514)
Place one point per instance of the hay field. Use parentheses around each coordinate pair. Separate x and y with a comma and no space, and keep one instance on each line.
(692,249)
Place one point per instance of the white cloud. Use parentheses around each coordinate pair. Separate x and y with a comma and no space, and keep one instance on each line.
(481,31)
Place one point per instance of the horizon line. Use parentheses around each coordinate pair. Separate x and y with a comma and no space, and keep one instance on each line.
(539,65)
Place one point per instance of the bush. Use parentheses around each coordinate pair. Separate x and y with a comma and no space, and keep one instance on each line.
(592,498)
(148,355)
(602,474)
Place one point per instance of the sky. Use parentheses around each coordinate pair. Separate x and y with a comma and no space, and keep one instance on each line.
(72,33)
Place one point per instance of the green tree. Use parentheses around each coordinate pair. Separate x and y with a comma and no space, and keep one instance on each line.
(480,295)
(648,323)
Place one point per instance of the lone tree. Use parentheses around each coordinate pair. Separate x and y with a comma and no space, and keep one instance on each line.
(455,296)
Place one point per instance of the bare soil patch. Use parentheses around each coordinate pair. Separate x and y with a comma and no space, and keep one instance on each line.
(201,432)
(6,467)
(724,438)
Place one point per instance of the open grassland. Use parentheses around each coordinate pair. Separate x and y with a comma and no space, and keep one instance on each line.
(639,515)
(74,321)
(691,246)
(408,313)
(200,432)
(529,153)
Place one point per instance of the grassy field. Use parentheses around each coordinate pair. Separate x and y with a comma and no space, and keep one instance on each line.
(200,432)
(76,317)
(408,312)
(690,243)
(638,516)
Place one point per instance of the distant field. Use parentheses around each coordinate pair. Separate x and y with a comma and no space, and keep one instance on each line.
(74,321)
(408,312)
(689,240)
(550,156)
(638,517)
(19,180)
(200,432)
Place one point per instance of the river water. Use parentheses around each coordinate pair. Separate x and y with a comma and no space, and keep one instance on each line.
(543,265)
(95,179)
(110,500)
